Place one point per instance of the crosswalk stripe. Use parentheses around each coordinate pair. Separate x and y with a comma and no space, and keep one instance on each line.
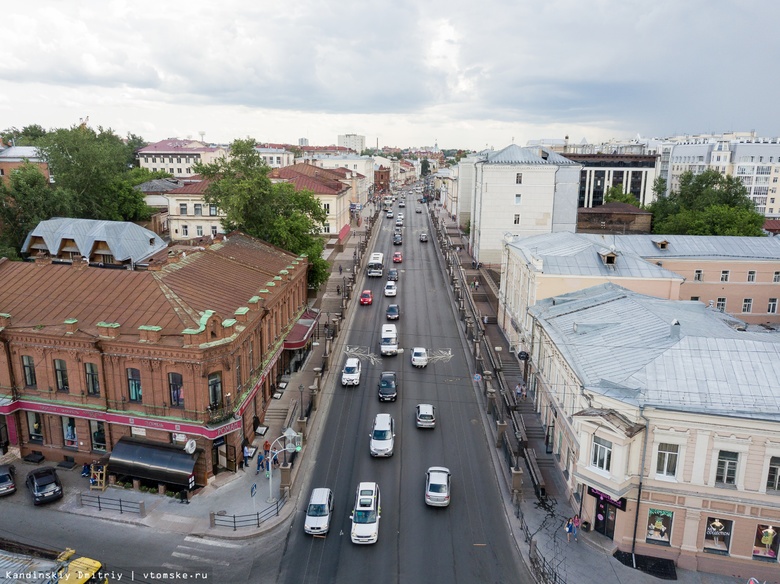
(223,544)
(199,559)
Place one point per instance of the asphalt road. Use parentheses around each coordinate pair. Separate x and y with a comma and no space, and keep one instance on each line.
(468,541)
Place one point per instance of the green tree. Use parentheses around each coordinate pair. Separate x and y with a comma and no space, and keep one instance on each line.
(92,164)
(138,176)
(274,212)
(714,220)
(27,136)
(615,194)
(27,200)
(425,167)
(134,144)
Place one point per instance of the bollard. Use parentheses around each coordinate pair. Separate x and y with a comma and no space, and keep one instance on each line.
(500,430)
(78,500)
(212,519)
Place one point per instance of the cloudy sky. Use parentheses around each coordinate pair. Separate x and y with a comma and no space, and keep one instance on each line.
(402,73)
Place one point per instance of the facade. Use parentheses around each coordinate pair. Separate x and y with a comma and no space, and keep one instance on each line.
(353,142)
(363,165)
(445,183)
(15,156)
(521,191)
(635,174)
(178,157)
(189,216)
(619,218)
(381,179)
(544,266)
(736,275)
(183,350)
(664,419)
(275,156)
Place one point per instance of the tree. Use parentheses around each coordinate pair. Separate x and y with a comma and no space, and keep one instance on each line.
(92,164)
(134,144)
(274,212)
(425,167)
(615,194)
(27,136)
(714,220)
(27,200)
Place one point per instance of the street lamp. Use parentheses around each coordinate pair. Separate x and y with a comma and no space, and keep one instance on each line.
(300,389)
(292,444)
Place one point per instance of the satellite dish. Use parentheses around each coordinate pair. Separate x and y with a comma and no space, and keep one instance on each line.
(190,446)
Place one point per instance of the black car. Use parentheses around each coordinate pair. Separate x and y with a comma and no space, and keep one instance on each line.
(7,479)
(393,312)
(388,386)
(44,485)
(392,275)
(398,239)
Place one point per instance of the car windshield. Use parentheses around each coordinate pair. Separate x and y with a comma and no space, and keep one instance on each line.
(387,383)
(350,369)
(382,435)
(47,487)
(392,309)
(320,510)
(364,517)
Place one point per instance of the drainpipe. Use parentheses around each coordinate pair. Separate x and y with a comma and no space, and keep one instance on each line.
(641,475)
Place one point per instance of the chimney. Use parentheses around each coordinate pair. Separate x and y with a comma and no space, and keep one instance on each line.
(674,330)
(109,330)
(71,325)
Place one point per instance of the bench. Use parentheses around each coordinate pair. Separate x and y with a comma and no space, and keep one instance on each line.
(536,474)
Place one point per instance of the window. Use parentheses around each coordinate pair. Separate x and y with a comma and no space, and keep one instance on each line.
(773,478)
(28,364)
(776,277)
(698,276)
(93,381)
(771,306)
(519,178)
(724,276)
(185,230)
(720,304)
(666,464)
(97,431)
(326,228)
(518,199)
(174,386)
(751,276)
(215,390)
(69,432)
(199,230)
(238,372)
(747,305)
(694,298)
(134,384)
(602,453)
(213,231)
(35,426)
(517,219)
(61,374)
(213,210)
(726,473)
(182,208)
(326,208)
(198,209)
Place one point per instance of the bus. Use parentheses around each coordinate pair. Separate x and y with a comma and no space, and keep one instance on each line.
(376,265)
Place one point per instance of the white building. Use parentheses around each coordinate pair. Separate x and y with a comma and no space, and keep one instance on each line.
(352,141)
(178,157)
(521,191)
(276,157)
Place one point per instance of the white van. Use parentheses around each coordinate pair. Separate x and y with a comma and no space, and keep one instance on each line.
(366,514)
(318,512)
(388,341)
(350,375)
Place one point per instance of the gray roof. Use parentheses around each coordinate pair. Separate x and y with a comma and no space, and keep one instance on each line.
(565,253)
(159,185)
(19,153)
(514,154)
(693,246)
(621,345)
(127,241)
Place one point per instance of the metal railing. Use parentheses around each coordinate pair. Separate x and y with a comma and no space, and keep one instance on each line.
(249,520)
(543,570)
(110,504)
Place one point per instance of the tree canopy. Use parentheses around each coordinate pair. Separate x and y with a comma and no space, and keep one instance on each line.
(615,194)
(274,212)
(425,167)
(706,204)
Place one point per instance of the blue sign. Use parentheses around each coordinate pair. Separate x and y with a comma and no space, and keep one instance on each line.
(477,377)
(253,490)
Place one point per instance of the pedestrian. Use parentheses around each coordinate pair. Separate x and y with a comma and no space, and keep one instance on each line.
(476,284)
(246,456)
(473,264)
(568,528)
(338,290)
(485,320)
(525,393)
(260,460)
(575,523)
(339,269)
(266,448)
(518,391)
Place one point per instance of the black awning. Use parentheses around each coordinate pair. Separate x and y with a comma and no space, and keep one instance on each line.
(152,461)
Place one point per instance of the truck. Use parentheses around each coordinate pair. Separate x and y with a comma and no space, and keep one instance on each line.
(26,564)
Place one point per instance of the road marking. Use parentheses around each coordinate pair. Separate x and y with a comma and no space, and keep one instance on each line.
(199,559)
(479,545)
(212,542)
(173,566)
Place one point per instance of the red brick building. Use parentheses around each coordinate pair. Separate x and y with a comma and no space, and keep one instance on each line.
(184,348)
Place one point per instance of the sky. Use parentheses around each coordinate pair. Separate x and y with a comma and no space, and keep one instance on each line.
(457,74)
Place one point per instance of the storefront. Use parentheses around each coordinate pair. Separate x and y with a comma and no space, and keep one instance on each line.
(298,342)
(605,515)
(154,462)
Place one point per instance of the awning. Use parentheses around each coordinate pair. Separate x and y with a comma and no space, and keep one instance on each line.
(301,330)
(152,461)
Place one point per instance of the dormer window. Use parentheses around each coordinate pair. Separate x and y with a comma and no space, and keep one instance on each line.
(609,258)
(661,243)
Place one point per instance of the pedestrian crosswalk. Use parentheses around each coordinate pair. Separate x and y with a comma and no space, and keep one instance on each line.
(201,551)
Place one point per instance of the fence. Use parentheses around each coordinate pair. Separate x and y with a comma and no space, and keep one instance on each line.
(250,520)
(107,503)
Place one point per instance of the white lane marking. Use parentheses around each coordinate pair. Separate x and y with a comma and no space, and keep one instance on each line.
(199,559)
(213,542)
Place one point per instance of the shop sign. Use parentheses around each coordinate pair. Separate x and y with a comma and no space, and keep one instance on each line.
(619,503)
(659,526)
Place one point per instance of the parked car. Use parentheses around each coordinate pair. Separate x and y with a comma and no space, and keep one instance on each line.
(437,486)
(425,416)
(7,479)
(424,237)
(393,312)
(388,386)
(392,275)
(350,375)
(382,436)
(419,356)
(44,485)
(366,297)
(391,289)
(318,512)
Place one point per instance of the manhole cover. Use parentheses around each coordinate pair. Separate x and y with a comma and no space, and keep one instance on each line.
(223,512)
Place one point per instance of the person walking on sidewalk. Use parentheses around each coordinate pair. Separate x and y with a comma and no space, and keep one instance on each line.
(569,528)
(575,525)
(260,460)
(246,456)
(518,391)
(339,269)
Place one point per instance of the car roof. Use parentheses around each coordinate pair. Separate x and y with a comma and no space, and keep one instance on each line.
(382,420)
(366,292)
(425,408)
(438,470)
(421,349)
(319,495)
(352,361)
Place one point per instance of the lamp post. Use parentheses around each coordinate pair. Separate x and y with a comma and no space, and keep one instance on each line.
(300,389)
(290,446)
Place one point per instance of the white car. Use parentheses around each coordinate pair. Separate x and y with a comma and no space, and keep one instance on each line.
(366,514)
(419,356)
(391,289)
(437,486)
(425,416)
(318,512)
(350,375)
(382,436)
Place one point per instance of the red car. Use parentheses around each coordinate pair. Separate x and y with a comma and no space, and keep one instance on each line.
(397,257)
(366,297)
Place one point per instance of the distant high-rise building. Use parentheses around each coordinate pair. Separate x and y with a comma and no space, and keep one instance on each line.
(353,141)
(303,141)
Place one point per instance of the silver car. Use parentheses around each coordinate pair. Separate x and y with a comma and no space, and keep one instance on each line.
(437,486)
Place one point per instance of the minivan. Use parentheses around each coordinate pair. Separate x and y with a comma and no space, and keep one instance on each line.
(318,512)
(366,514)
(350,375)
(388,340)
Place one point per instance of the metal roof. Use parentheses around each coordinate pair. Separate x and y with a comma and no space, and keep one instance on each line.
(623,345)
(701,246)
(514,154)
